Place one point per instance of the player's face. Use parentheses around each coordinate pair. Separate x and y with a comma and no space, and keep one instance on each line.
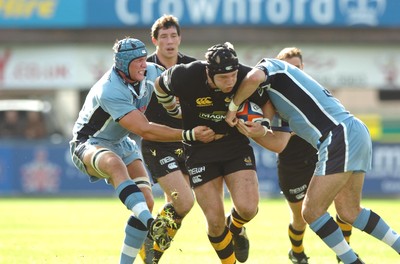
(137,69)
(295,61)
(226,81)
(168,42)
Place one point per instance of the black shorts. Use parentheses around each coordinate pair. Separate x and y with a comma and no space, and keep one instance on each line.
(163,158)
(201,172)
(296,167)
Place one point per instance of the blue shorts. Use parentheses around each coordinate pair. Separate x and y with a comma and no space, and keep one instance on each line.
(348,147)
(127,149)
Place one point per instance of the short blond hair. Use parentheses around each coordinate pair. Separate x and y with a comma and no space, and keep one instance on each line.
(290,52)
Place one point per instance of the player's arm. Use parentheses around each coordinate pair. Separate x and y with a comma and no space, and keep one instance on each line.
(275,141)
(168,101)
(247,87)
(261,133)
(136,122)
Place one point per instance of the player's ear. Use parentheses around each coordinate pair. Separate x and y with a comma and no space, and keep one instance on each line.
(155,42)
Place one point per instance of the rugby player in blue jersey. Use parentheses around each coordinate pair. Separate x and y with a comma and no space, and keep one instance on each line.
(344,151)
(102,149)
(296,165)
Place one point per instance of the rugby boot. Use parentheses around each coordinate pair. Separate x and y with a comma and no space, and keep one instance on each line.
(241,245)
(299,258)
(146,251)
(159,232)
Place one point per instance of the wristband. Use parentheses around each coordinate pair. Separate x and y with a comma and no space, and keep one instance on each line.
(188,135)
(232,107)
(265,130)
(266,122)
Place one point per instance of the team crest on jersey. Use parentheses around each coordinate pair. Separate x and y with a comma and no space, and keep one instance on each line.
(248,161)
(204,101)
(179,152)
(260,91)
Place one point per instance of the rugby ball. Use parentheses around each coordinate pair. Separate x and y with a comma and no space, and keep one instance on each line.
(249,111)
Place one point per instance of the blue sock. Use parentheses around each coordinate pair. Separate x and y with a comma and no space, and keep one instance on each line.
(133,198)
(373,224)
(135,234)
(328,230)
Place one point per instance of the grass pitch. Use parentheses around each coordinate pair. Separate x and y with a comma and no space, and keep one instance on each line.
(91,230)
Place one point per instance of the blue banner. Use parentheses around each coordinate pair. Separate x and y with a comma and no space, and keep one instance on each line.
(43,168)
(198,13)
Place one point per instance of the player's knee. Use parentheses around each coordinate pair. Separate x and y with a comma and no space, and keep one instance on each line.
(349,215)
(247,212)
(247,208)
(102,155)
(309,214)
(183,207)
(312,213)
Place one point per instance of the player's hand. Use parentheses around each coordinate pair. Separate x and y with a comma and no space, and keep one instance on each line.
(204,134)
(252,129)
(231,118)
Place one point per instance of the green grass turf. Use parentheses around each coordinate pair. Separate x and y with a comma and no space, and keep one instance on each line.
(91,230)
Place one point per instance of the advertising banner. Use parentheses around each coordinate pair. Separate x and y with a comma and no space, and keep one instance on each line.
(79,67)
(46,169)
(198,13)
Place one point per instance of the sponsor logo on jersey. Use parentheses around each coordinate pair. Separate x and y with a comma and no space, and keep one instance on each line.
(204,101)
(300,196)
(197,179)
(197,170)
(298,189)
(172,165)
(215,116)
(166,160)
(153,152)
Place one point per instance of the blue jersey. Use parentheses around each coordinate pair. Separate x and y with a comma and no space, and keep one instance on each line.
(309,108)
(109,100)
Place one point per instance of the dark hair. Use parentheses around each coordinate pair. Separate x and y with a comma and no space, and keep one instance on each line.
(165,21)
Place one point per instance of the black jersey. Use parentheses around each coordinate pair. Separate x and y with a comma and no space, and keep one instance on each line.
(155,112)
(203,105)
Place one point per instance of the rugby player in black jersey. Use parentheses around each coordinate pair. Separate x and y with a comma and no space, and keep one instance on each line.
(204,89)
(165,160)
